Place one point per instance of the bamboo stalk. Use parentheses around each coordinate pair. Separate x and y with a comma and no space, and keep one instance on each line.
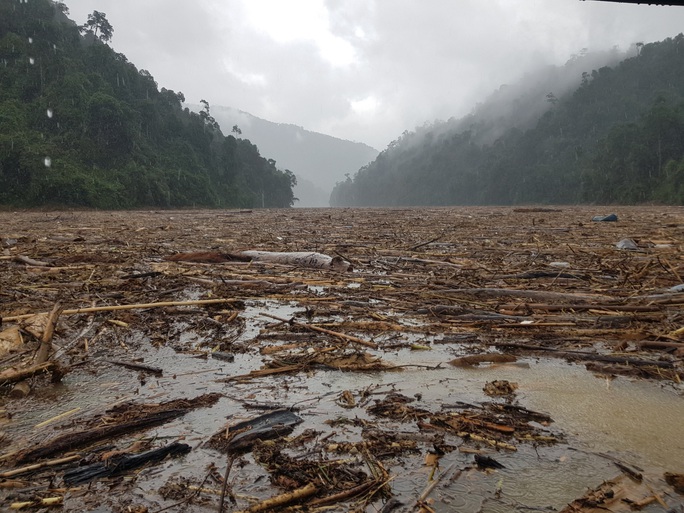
(281,500)
(47,501)
(493,443)
(37,466)
(57,417)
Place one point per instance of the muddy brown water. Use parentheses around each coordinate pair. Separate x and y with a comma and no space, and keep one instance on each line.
(598,416)
(636,421)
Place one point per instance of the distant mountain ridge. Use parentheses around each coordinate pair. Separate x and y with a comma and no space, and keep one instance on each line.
(319,161)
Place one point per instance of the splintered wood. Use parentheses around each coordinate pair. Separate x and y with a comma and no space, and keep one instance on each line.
(370,324)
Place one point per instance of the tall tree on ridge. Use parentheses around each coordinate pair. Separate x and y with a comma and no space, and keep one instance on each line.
(99,26)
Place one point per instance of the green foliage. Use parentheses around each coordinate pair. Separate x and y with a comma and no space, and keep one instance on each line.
(81,126)
(618,137)
(98,25)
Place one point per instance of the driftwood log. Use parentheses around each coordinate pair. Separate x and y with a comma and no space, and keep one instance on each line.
(22,388)
(71,441)
(14,375)
(294,258)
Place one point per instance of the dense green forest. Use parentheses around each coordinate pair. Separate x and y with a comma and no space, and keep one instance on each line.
(82,126)
(617,136)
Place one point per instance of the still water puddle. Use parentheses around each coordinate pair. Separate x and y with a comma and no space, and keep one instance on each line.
(638,422)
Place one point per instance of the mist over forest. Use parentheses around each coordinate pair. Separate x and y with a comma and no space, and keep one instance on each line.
(317,160)
(603,128)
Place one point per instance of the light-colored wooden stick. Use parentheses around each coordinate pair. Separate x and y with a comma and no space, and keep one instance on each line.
(46,339)
(57,417)
(36,466)
(22,388)
(313,327)
(14,375)
(47,501)
(30,261)
(94,309)
(281,500)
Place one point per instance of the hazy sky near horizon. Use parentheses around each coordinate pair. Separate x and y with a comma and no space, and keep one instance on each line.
(364,70)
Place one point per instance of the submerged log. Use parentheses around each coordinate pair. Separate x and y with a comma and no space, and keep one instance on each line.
(147,416)
(123,463)
(476,359)
(71,441)
(243,435)
(542,295)
(138,366)
(584,355)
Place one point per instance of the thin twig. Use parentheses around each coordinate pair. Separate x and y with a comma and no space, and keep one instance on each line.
(225,483)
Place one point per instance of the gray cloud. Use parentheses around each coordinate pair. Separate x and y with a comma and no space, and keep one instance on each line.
(412,61)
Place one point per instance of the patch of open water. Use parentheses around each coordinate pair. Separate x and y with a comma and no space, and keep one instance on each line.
(636,421)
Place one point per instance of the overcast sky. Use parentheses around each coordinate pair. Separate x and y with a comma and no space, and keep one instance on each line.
(364,70)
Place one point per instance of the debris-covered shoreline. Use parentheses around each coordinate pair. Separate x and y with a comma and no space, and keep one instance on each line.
(145,356)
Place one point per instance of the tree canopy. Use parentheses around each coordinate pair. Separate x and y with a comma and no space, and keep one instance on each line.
(99,26)
(616,136)
(82,126)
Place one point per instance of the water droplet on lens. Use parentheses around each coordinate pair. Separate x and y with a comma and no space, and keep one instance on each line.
(32,60)
(49,112)
(47,161)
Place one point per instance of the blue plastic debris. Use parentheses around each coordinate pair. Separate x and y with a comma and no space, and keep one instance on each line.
(608,218)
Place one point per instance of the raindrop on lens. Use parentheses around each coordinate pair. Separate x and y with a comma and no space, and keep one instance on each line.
(47,161)
(49,112)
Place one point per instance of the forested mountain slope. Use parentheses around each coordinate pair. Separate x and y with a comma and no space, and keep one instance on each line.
(616,136)
(82,126)
(313,157)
